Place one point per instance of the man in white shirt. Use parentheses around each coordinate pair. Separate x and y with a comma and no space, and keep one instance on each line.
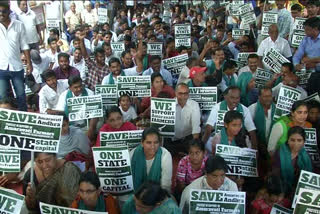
(12,40)
(78,62)
(72,18)
(49,94)
(155,66)
(276,42)
(88,16)
(40,63)
(253,61)
(231,102)
(31,24)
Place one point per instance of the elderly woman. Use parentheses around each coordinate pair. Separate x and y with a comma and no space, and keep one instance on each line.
(291,158)
(214,179)
(56,182)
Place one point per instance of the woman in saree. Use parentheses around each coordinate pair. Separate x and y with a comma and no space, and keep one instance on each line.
(52,183)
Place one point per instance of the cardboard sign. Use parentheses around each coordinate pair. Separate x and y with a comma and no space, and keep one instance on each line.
(117,48)
(175,65)
(163,115)
(50,209)
(130,139)
(155,48)
(268,18)
(298,32)
(234,7)
(52,23)
(314,96)
(304,76)
(113,167)
(238,33)
(287,96)
(308,202)
(247,13)
(220,121)
(11,202)
(182,34)
(243,57)
(277,209)
(262,77)
(240,161)
(103,15)
(108,94)
(206,97)
(84,107)
(214,201)
(273,60)
(9,160)
(311,146)
(30,131)
(134,86)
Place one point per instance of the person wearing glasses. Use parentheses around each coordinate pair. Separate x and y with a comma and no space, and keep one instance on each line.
(90,197)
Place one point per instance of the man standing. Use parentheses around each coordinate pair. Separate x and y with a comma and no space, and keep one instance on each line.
(12,40)
(31,24)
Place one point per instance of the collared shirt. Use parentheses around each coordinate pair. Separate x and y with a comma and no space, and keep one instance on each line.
(12,40)
(247,69)
(132,71)
(281,45)
(284,22)
(30,22)
(248,122)
(187,119)
(234,50)
(308,47)
(38,69)
(73,19)
(48,98)
(81,66)
(72,72)
(95,74)
(223,85)
(89,18)
(166,75)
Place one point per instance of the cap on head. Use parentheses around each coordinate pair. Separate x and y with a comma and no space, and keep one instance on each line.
(195,70)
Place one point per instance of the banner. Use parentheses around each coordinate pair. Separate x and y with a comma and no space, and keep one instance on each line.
(262,77)
(273,60)
(234,7)
(108,94)
(11,202)
(311,146)
(237,33)
(174,65)
(30,131)
(117,48)
(247,14)
(308,202)
(103,15)
(307,180)
(130,139)
(286,97)
(84,107)
(240,161)
(214,201)
(155,48)
(182,35)
(268,18)
(314,96)
(298,32)
(53,209)
(163,115)
(134,86)
(220,121)
(206,97)
(9,160)
(114,169)
(277,209)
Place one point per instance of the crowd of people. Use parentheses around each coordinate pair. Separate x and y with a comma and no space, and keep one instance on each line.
(55,64)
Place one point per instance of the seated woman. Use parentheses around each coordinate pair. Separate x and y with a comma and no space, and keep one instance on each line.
(56,182)
(231,134)
(72,140)
(214,179)
(274,195)
(151,198)
(150,161)
(291,158)
(91,198)
(114,123)
(157,85)
(191,166)
(279,131)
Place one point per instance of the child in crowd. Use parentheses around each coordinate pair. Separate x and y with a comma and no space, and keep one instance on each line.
(127,110)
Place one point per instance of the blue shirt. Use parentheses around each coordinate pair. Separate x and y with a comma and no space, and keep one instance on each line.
(308,47)
(166,75)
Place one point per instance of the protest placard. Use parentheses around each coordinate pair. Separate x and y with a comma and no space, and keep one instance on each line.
(215,201)
(29,131)
(163,115)
(174,65)
(52,23)
(206,97)
(208,3)
(308,202)
(240,161)
(277,209)
(182,35)
(117,48)
(196,2)
(220,121)
(9,160)
(155,48)
(298,32)
(307,180)
(314,96)
(130,139)
(262,77)
(243,57)
(103,15)
(108,94)
(287,96)
(114,169)
(304,76)
(273,60)
(268,18)
(53,209)
(311,146)
(247,14)
(134,86)
(237,33)
(11,202)
(234,7)
(84,107)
